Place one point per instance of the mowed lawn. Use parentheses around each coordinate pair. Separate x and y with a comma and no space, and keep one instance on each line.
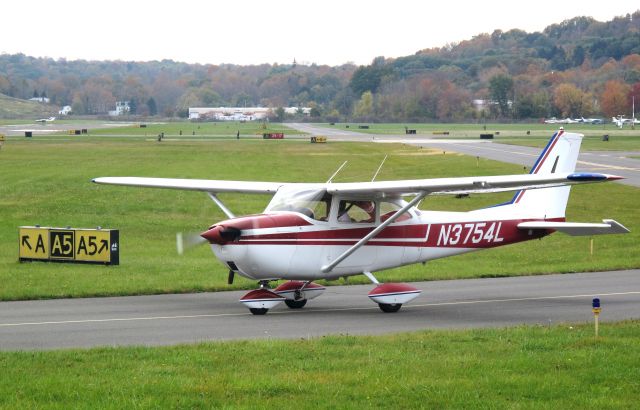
(47,181)
(560,367)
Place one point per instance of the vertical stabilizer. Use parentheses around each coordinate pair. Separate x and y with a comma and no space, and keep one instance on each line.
(559,156)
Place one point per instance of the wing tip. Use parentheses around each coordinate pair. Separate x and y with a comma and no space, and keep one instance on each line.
(592,177)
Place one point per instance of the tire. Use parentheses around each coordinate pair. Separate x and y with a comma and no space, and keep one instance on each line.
(390,308)
(295,304)
(258,311)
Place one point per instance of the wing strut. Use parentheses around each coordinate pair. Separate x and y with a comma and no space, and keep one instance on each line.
(222,206)
(328,268)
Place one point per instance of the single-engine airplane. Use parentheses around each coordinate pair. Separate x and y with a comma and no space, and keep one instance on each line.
(312,231)
(46,120)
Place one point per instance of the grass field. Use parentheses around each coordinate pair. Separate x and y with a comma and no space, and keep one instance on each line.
(195,130)
(561,367)
(535,135)
(46,181)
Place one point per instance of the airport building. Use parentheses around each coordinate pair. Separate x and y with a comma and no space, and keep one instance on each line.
(239,113)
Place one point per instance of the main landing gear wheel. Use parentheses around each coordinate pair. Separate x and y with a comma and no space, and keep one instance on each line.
(295,304)
(391,296)
(390,307)
(258,311)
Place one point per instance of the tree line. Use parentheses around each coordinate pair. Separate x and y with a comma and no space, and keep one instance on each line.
(580,67)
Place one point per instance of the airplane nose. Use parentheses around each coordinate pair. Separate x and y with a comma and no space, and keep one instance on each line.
(221,235)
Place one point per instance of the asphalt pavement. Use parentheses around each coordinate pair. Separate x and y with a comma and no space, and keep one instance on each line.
(190,318)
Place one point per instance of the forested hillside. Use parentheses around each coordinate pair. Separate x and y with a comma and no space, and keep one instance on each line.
(580,67)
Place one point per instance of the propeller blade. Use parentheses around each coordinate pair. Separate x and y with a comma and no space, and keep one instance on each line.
(188,241)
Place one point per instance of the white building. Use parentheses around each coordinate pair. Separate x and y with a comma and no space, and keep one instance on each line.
(66,110)
(294,110)
(40,99)
(122,108)
(229,113)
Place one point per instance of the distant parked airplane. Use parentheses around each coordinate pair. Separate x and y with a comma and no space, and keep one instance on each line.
(568,120)
(45,120)
(620,121)
(594,121)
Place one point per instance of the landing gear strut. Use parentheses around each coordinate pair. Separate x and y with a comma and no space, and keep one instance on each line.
(297,293)
(294,294)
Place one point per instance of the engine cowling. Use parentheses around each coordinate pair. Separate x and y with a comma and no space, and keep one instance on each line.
(221,235)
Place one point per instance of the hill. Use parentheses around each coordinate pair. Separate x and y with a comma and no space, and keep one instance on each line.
(16,108)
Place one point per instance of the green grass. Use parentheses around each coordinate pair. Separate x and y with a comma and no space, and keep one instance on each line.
(624,139)
(46,181)
(195,130)
(561,367)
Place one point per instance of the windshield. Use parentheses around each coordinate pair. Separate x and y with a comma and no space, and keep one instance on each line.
(313,203)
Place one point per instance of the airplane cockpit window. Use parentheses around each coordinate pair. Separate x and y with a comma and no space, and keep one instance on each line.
(388,208)
(351,211)
(314,204)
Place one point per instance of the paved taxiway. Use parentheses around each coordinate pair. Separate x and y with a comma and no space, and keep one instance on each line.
(188,318)
(608,162)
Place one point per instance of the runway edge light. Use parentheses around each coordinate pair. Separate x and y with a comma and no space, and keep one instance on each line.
(595,308)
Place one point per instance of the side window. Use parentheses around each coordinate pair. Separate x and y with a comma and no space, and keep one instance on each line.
(351,211)
(387,209)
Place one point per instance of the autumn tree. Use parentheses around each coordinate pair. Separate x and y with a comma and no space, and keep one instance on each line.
(571,101)
(614,99)
(364,107)
(501,88)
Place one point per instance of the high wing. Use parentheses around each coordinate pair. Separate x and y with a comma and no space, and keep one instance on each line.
(436,186)
(465,185)
(205,185)
(608,226)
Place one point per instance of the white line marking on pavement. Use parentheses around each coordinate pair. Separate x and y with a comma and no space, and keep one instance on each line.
(469,302)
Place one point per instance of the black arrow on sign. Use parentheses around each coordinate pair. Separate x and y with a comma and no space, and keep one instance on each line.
(105,245)
(25,241)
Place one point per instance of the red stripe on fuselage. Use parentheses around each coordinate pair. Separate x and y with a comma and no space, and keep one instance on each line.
(262,221)
(478,234)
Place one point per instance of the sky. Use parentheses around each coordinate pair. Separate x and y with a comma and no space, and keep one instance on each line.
(246,32)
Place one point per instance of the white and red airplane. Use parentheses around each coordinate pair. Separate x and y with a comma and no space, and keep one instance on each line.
(312,231)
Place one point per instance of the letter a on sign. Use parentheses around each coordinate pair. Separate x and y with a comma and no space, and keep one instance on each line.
(34,243)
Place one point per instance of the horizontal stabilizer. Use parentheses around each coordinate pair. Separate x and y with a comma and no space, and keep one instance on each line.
(608,226)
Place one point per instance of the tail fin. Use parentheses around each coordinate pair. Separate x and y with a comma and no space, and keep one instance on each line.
(560,155)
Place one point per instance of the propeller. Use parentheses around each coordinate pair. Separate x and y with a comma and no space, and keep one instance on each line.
(186,241)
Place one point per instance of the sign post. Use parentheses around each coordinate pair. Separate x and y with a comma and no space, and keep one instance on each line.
(595,307)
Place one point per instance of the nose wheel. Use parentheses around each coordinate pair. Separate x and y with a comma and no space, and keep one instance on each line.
(295,304)
(297,293)
(259,301)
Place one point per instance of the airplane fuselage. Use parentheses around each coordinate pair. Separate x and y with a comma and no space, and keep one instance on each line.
(287,245)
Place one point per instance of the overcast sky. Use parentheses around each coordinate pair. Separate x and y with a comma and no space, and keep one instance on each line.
(269,31)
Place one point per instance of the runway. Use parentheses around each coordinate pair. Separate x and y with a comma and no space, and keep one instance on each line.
(609,162)
(190,318)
